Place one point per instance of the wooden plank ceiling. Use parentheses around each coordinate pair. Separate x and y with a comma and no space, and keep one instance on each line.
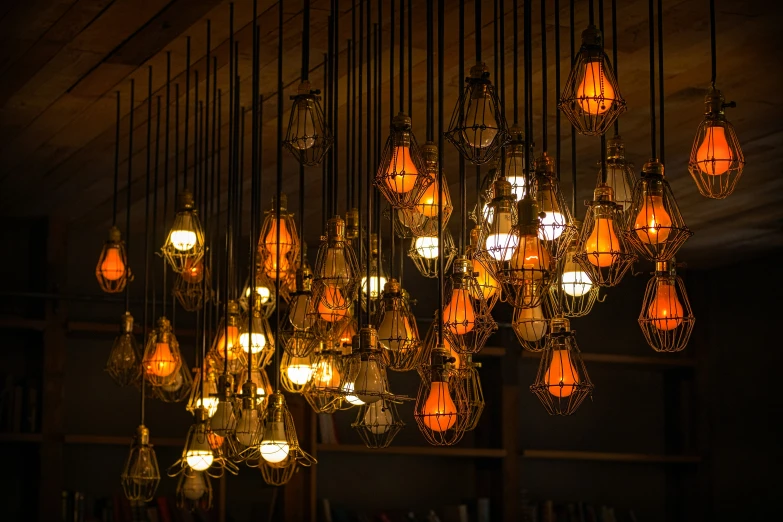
(62,61)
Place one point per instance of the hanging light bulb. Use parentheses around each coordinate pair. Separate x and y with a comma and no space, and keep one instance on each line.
(378,417)
(530,323)
(124,363)
(620,174)
(278,255)
(198,452)
(255,335)
(398,335)
(307,138)
(557,219)
(401,176)
(440,405)
(439,410)
(666,317)
(665,310)
(427,246)
(459,314)
(185,241)
(223,421)
(112,269)
(161,355)
(297,371)
(603,243)
(227,343)
(574,281)
(193,486)
(248,427)
(366,373)
(209,401)
(337,273)
(377,278)
(141,475)
(591,98)
(514,163)
(499,242)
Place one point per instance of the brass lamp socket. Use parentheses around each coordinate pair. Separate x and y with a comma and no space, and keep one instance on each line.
(592,37)
(374,244)
(480,71)
(429,152)
(502,190)
(560,324)
(127,323)
(335,230)
(352,223)
(186,201)
(615,148)
(224,385)
(392,288)
(402,122)
(283,202)
(653,169)
(517,136)
(440,361)
(368,339)
(603,193)
(114,235)
(276,402)
(304,279)
(527,210)
(545,165)
(143,435)
(666,267)
(304,88)
(164,329)
(715,103)
(463,266)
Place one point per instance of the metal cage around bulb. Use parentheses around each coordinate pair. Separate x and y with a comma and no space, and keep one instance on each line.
(296,372)
(184,246)
(591,98)
(265,291)
(243,443)
(194,491)
(422,218)
(378,423)
(207,398)
(226,346)
(573,292)
(162,359)
(478,127)
(620,174)
(193,286)
(716,161)
(602,249)
(280,456)
(398,334)
(496,242)
(468,377)
(562,382)
(337,273)
(179,389)
(402,177)
(557,227)
(430,344)
(288,246)
(322,391)
(487,283)
(262,386)
(531,325)
(140,475)
(124,362)
(112,270)
(307,138)
(424,252)
(377,276)
(257,339)
(666,317)
(441,404)
(511,164)
(363,377)
(467,321)
(655,226)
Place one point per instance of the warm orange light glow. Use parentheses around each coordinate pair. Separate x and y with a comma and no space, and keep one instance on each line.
(162,362)
(215,440)
(561,376)
(193,272)
(453,353)
(439,410)
(595,94)
(531,257)
(286,240)
(665,309)
(402,173)
(459,314)
(326,375)
(112,267)
(270,266)
(489,285)
(233,342)
(650,218)
(714,155)
(428,202)
(332,306)
(601,243)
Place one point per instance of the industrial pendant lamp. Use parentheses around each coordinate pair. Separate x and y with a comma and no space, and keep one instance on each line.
(573,293)
(467,322)
(378,423)
(280,452)
(288,245)
(308,138)
(666,317)
(297,334)
(487,283)
(398,334)
(194,491)
(422,219)
(473,395)
(373,282)
(322,391)
(716,161)
(531,325)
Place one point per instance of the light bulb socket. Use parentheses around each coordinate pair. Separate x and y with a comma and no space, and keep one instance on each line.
(142,435)
(276,401)
(653,170)
(186,201)
(429,153)
(368,339)
(283,202)
(529,216)
(304,279)
(560,325)
(127,323)
(463,266)
(249,389)
(392,288)
(402,123)
(478,73)
(440,361)
(666,268)
(545,166)
(615,148)
(335,230)
(224,386)
(603,193)
(715,103)
(352,223)
(592,37)
(304,88)
(517,135)
(115,236)
(164,329)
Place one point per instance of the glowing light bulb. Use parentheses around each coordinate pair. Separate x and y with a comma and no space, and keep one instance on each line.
(199,453)
(488,284)
(530,323)
(561,377)
(481,126)
(453,353)
(162,362)
(183,234)
(376,283)
(530,260)
(652,223)
(501,243)
(112,267)
(552,225)
(247,427)
(223,421)
(394,331)
(256,342)
(370,381)
(348,394)
(488,213)
(335,267)
(298,315)
(286,239)
(299,370)
(402,172)
(332,306)
(600,246)
(714,155)
(174,384)
(194,486)
(518,186)
(595,93)
(263,292)
(459,314)
(575,281)
(378,418)
(233,342)
(665,309)
(326,375)
(428,202)
(271,266)
(193,272)
(209,403)
(426,246)
(439,411)
(274,447)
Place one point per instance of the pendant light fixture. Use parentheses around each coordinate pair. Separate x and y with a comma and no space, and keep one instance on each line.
(620,175)
(322,391)
(298,334)
(194,491)
(375,281)
(531,325)
(467,321)
(487,283)
(336,274)
(468,375)
(666,317)
(112,270)
(421,219)
(591,98)
(296,371)
(574,292)
(478,126)
(562,382)
(289,244)
(377,423)
(398,335)
(308,138)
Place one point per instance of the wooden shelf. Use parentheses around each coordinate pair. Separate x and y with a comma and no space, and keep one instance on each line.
(610,457)
(120,440)
(415,450)
(13,322)
(491,351)
(20,437)
(660,362)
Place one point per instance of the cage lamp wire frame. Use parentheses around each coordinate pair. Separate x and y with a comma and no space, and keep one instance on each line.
(467,321)
(378,423)
(666,317)
(531,325)
(398,333)
(308,138)
(124,362)
(280,457)
(194,491)
(422,218)
(184,246)
(424,252)
(112,270)
(140,475)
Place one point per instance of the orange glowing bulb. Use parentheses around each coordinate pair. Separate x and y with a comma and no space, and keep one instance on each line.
(326,375)
(402,173)
(665,309)
(561,376)
(332,306)
(459,313)
(233,342)
(487,283)
(270,240)
(595,94)
(270,266)
(531,257)
(428,203)
(215,440)
(193,272)
(439,410)
(162,362)
(714,155)
(602,243)
(112,267)
(650,218)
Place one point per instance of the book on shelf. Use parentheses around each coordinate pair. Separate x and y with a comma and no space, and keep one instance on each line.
(327,429)
(483,511)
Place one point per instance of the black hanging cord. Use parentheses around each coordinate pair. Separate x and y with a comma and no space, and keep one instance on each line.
(335,149)
(155,201)
(128,189)
(651,14)
(369,136)
(661,122)
(187,108)
(306,41)
(502,77)
(279,192)
(713,45)
(603,136)
(571,15)
(591,14)
(402,55)
(166,170)
(441,144)
(614,57)
(359,135)
(430,72)
(527,88)
(348,142)
(116,162)
(515,68)
(392,32)
(147,238)
(477,16)
(544,83)
(410,58)
(557,86)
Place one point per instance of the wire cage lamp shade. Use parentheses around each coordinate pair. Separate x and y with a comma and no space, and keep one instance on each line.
(557,227)
(422,218)
(205,378)
(364,379)
(194,491)
(226,345)
(373,286)
(141,475)
(261,389)
(441,405)
(336,274)
(468,377)
(322,391)
(296,372)
(178,389)
(467,321)
(246,438)
(124,362)
(378,423)
(112,270)
(531,325)
(424,252)
(257,339)
(199,453)
(716,161)
(666,317)
(307,138)
(591,98)
(430,345)
(602,250)
(511,165)
(402,177)
(573,292)
(478,127)
(398,334)
(288,244)
(489,286)
(279,448)
(162,359)
(264,290)
(184,246)
(620,175)
(496,242)
(656,228)
(193,286)
(562,382)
